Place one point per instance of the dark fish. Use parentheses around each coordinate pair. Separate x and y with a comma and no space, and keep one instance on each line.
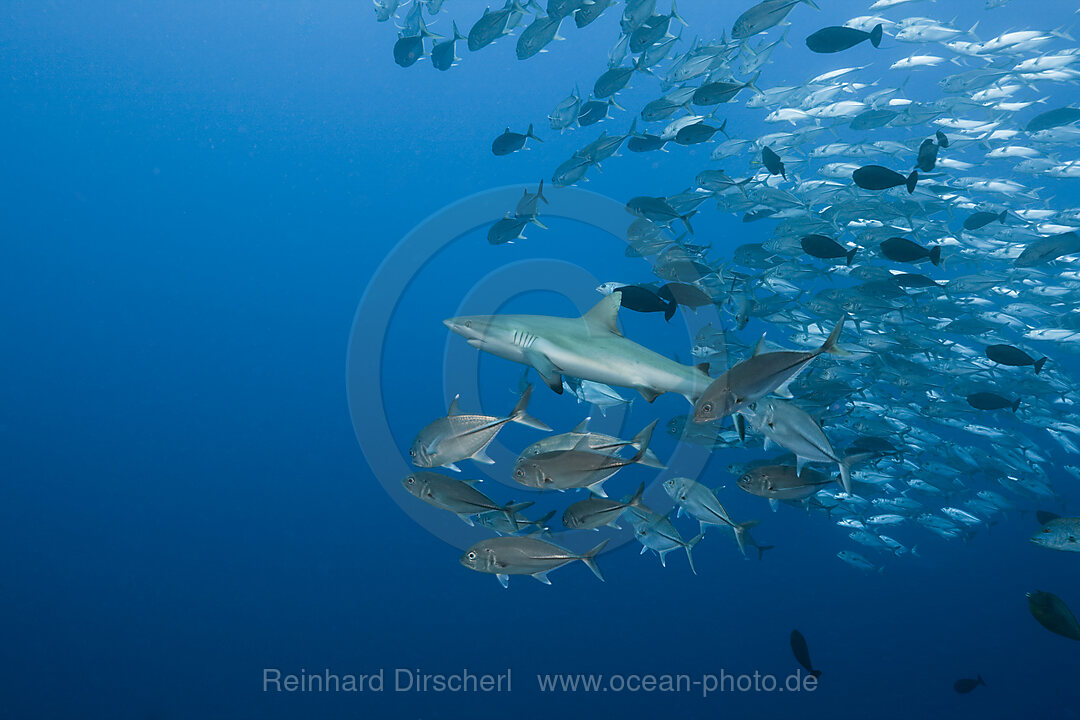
(695,134)
(900,249)
(443,54)
(838,38)
(825,248)
(1053,614)
(927,158)
(876,177)
(612,81)
(652,29)
(783,482)
(1013,357)
(538,35)
(510,142)
(570,171)
(684,294)
(772,162)
(407,50)
(645,300)
(1053,119)
(491,26)
(593,111)
(942,140)
(982,219)
(991,401)
(508,229)
(720,91)
(966,685)
(914,280)
(657,209)
(645,143)
(871,119)
(802,653)
(587,13)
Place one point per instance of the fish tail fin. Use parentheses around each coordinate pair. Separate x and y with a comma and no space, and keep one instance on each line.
(589,559)
(751,83)
(935,255)
(811,3)
(686,220)
(689,547)
(675,14)
(1003,216)
(635,501)
(540,192)
(761,552)
(1016,405)
(978,678)
(641,441)
(912,179)
(851,255)
(845,475)
(1039,365)
(457,34)
(830,346)
(519,415)
(531,134)
(723,128)
(669,311)
(875,35)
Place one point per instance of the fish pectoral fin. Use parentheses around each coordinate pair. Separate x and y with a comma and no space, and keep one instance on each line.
(481,456)
(648,393)
(465,518)
(504,580)
(547,370)
(542,577)
(774,504)
(452,466)
(598,489)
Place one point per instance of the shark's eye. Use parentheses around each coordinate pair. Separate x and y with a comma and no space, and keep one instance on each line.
(468,323)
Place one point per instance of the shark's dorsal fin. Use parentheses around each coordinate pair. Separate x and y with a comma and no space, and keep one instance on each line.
(582,427)
(605,314)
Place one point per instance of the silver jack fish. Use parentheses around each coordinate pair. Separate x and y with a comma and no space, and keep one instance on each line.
(506,556)
(465,437)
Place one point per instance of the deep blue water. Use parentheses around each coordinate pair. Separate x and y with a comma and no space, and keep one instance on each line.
(195,199)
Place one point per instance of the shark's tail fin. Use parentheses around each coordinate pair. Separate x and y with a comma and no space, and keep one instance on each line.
(519,415)
(589,559)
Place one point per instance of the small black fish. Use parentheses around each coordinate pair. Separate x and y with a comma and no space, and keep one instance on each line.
(443,54)
(982,219)
(407,50)
(991,401)
(900,249)
(871,119)
(838,38)
(645,143)
(825,248)
(802,653)
(684,294)
(876,177)
(1013,357)
(593,111)
(927,158)
(966,685)
(914,280)
(942,140)
(772,162)
(510,142)
(645,300)
(695,134)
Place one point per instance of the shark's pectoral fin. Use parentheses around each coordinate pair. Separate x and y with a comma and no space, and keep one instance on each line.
(648,393)
(546,369)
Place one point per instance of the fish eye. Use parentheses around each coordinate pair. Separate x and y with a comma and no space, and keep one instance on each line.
(472,555)
(519,473)
(707,407)
(1046,530)
(753,406)
(468,323)
(412,453)
(410,479)
(1072,539)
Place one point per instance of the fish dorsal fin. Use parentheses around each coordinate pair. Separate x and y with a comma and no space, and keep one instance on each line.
(760,346)
(582,443)
(604,315)
(454,410)
(582,427)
